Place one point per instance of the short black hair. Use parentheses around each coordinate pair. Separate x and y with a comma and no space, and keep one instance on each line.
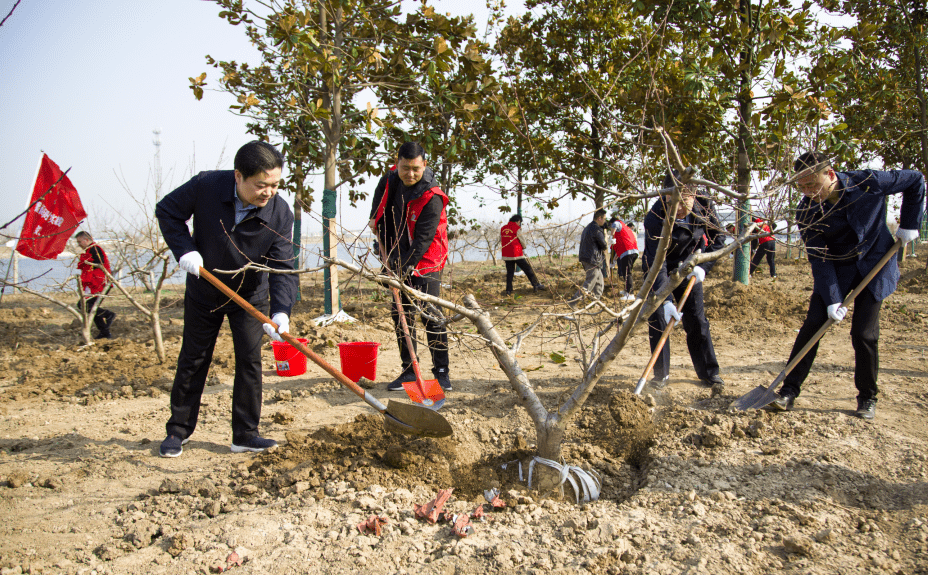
(410,151)
(600,213)
(669,178)
(256,157)
(811,160)
(82,234)
(516,218)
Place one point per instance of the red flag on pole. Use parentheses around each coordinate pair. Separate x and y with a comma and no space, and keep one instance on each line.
(55,211)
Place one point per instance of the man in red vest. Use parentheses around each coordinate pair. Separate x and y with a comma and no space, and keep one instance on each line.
(93,281)
(766,246)
(409,218)
(513,255)
(625,249)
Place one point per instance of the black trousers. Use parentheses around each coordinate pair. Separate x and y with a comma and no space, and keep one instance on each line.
(865,336)
(101,317)
(201,327)
(524,266)
(768,250)
(698,338)
(626,266)
(435,333)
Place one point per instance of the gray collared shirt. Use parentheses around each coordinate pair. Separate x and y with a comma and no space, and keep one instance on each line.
(241,210)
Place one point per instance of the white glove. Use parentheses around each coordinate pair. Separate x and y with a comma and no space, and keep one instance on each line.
(670,311)
(837,312)
(191,262)
(907,235)
(283,326)
(698,273)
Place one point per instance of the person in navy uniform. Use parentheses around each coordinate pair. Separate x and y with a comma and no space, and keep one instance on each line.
(696,227)
(842,221)
(238,218)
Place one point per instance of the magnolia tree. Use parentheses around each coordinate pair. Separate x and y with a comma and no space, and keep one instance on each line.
(598,331)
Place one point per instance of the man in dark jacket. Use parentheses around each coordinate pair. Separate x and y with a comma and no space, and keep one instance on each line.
(592,255)
(842,220)
(408,216)
(696,227)
(238,218)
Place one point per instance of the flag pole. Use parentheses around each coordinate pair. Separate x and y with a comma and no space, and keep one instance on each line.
(12,265)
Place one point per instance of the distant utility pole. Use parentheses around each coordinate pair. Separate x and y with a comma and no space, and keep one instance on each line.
(157,175)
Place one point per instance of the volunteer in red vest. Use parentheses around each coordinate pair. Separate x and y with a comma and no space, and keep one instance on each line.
(766,247)
(410,220)
(625,249)
(93,282)
(513,255)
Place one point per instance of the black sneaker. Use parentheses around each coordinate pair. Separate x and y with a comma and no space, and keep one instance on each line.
(172,446)
(866,409)
(540,287)
(104,335)
(253,444)
(507,293)
(659,382)
(397,384)
(441,374)
(784,402)
(713,381)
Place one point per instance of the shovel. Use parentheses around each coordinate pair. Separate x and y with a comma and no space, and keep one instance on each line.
(663,340)
(761,396)
(398,417)
(427,392)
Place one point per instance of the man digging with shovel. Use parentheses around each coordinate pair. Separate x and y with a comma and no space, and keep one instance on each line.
(238,218)
(696,227)
(842,220)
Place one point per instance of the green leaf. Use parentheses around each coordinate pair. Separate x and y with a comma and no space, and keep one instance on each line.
(557,358)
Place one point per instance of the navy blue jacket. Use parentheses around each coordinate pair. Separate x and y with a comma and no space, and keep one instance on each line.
(592,244)
(263,237)
(702,232)
(861,209)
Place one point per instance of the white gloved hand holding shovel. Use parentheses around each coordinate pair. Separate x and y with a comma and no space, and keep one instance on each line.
(191,262)
(670,311)
(283,326)
(837,311)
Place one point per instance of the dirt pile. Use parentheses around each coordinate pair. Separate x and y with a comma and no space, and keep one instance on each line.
(688,485)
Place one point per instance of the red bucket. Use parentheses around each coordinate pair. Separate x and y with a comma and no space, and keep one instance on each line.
(290,360)
(359,359)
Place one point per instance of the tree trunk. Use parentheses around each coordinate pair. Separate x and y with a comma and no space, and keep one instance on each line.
(741,269)
(297,232)
(600,195)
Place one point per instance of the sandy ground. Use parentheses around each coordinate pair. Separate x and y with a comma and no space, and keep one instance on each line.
(817,490)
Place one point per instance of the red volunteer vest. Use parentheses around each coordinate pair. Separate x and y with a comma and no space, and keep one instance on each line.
(512,247)
(435,257)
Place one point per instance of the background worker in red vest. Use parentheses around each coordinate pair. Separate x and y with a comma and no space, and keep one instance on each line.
(514,256)
(766,246)
(93,282)
(625,249)
(409,219)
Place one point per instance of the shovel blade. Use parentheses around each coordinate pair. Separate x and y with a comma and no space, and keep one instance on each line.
(429,393)
(757,398)
(414,419)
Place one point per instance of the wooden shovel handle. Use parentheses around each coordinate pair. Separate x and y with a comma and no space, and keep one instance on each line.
(402,316)
(341,377)
(666,334)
